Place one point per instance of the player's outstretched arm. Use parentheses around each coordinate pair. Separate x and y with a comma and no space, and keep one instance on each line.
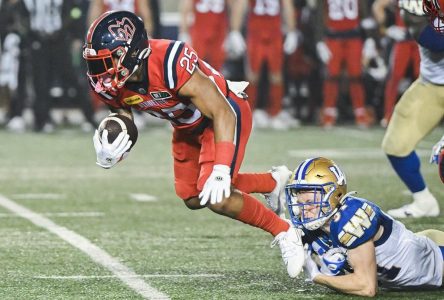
(363,280)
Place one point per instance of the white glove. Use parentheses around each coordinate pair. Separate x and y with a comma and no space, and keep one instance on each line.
(184,37)
(434,157)
(234,44)
(333,261)
(324,52)
(396,33)
(369,50)
(291,42)
(110,154)
(217,186)
(311,269)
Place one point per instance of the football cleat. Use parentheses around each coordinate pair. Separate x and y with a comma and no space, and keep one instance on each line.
(276,199)
(424,205)
(292,249)
(412,211)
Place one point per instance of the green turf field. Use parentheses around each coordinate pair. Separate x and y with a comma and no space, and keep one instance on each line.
(180,253)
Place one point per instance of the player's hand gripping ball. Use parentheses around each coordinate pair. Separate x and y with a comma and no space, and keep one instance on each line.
(115,124)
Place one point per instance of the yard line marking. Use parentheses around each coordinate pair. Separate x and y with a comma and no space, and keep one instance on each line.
(94,252)
(77,277)
(143,197)
(62,214)
(40,196)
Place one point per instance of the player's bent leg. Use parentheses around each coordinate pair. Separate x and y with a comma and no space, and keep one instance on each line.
(411,121)
(249,210)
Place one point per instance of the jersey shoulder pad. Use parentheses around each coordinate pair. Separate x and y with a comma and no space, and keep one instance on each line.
(179,64)
(354,223)
(413,7)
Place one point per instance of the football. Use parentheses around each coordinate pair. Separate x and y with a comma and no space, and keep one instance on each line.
(115,124)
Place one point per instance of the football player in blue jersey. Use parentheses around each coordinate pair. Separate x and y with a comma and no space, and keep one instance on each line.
(420,108)
(351,244)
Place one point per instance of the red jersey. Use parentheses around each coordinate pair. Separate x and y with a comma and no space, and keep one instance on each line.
(342,15)
(264,17)
(168,67)
(210,16)
(129,5)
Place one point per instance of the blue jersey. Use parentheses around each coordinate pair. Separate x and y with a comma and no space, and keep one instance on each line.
(403,258)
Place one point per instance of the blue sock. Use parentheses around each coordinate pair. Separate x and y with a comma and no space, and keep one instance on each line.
(407,168)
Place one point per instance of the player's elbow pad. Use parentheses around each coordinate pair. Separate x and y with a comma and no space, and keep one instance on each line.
(431,39)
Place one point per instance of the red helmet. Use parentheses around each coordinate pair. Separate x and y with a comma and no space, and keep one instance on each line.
(115,46)
(435,9)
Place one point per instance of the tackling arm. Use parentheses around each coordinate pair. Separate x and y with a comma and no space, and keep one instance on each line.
(363,280)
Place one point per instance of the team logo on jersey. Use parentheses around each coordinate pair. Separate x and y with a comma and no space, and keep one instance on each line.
(123,30)
(160,95)
(136,99)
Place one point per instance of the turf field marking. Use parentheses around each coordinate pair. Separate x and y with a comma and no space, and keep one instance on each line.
(98,255)
(143,197)
(42,196)
(77,277)
(62,214)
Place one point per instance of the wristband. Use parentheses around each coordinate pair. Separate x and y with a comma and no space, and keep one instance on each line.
(224,153)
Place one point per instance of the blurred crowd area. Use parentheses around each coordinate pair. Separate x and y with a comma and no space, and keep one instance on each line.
(43,85)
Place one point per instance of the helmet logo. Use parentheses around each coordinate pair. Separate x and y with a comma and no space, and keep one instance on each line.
(123,30)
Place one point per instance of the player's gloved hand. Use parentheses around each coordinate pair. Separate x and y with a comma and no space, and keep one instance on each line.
(217,186)
(184,37)
(396,33)
(369,49)
(333,261)
(235,44)
(323,51)
(434,157)
(110,154)
(311,269)
(291,42)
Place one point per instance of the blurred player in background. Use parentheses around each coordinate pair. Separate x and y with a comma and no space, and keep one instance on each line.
(341,44)
(204,26)
(404,53)
(265,45)
(139,7)
(210,116)
(419,110)
(14,29)
(352,245)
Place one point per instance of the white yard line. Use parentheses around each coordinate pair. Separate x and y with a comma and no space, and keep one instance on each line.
(80,277)
(98,255)
(143,197)
(40,196)
(61,214)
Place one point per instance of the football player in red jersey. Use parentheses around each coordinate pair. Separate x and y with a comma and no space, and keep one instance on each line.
(210,116)
(208,30)
(342,45)
(405,52)
(140,7)
(265,45)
